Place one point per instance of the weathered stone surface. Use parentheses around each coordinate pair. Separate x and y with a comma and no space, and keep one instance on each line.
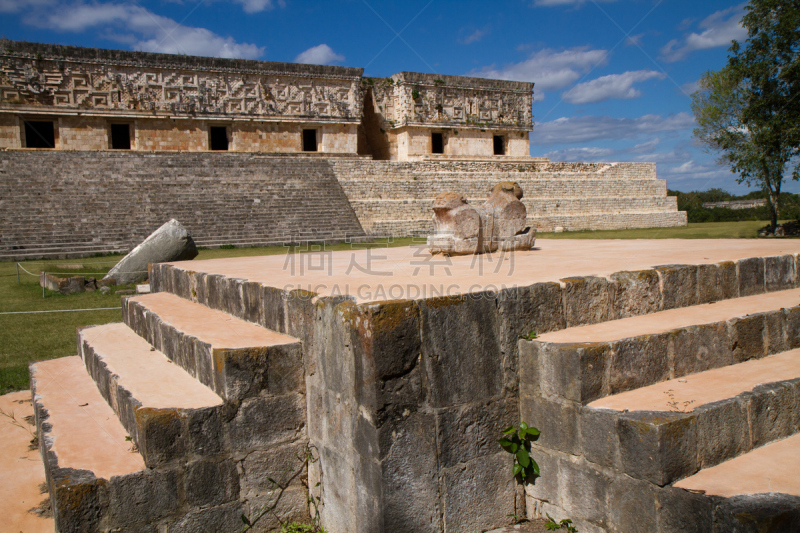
(779,272)
(747,337)
(681,511)
(583,491)
(478,494)
(79,499)
(634,293)
(409,474)
(657,447)
(265,421)
(639,361)
(284,464)
(632,505)
(557,420)
(206,434)
(222,518)
(776,332)
(599,439)
(722,431)
(162,437)
(717,282)
(772,411)
(211,483)
(471,431)
(778,513)
(574,371)
(459,338)
(678,285)
(751,276)
(545,487)
(292,506)
(699,348)
(792,325)
(586,300)
(143,497)
(529,368)
(170,242)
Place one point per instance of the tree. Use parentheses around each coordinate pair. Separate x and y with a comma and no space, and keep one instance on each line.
(749,112)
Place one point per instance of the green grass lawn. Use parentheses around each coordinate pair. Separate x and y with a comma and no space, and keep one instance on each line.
(31,337)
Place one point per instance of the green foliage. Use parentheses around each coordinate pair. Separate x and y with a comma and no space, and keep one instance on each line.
(518,443)
(692,202)
(297,527)
(414,94)
(749,112)
(438,82)
(566,523)
(530,336)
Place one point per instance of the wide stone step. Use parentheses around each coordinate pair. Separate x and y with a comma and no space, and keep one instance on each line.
(234,358)
(168,413)
(669,430)
(86,451)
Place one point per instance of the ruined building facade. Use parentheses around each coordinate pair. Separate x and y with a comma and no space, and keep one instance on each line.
(254,152)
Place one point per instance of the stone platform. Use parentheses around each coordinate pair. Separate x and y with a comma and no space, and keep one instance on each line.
(398,372)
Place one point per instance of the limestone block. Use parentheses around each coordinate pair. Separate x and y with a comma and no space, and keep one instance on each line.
(471,431)
(700,348)
(280,463)
(265,421)
(632,505)
(545,487)
(170,242)
(211,483)
(221,518)
(717,282)
(634,293)
(747,337)
(409,469)
(586,300)
(751,276)
(681,511)
(206,434)
(292,506)
(574,371)
(478,494)
(779,273)
(459,338)
(557,420)
(776,332)
(639,361)
(599,439)
(772,411)
(722,431)
(163,436)
(657,447)
(79,499)
(792,317)
(678,285)
(529,368)
(755,513)
(583,491)
(143,497)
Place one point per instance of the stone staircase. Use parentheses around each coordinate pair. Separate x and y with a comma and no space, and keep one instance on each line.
(647,420)
(652,388)
(177,419)
(394,198)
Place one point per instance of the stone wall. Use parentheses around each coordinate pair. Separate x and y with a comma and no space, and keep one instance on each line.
(56,203)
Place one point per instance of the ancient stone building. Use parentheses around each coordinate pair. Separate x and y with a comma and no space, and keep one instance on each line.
(254,152)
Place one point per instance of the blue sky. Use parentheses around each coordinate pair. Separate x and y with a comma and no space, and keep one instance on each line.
(613,77)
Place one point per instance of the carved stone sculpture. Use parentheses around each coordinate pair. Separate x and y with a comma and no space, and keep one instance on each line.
(499,224)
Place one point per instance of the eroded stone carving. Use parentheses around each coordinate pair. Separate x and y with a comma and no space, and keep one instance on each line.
(499,224)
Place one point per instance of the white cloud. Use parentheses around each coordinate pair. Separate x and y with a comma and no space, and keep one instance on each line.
(634,40)
(591,128)
(579,154)
(618,86)
(474,37)
(645,146)
(144,30)
(549,69)
(319,55)
(254,6)
(721,28)
(690,87)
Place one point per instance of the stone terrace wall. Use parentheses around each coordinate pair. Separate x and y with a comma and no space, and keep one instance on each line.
(54,203)
(394,198)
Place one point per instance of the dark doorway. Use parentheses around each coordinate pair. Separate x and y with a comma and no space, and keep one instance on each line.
(499,145)
(437,143)
(40,134)
(372,138)
(309,140)
(218,137)
(120,136)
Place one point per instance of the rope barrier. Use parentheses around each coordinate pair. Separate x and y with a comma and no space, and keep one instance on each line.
(58,311)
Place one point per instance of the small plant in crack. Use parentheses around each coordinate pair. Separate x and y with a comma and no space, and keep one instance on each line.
(518,443)
(12,419)
(530,336)
(565,523)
